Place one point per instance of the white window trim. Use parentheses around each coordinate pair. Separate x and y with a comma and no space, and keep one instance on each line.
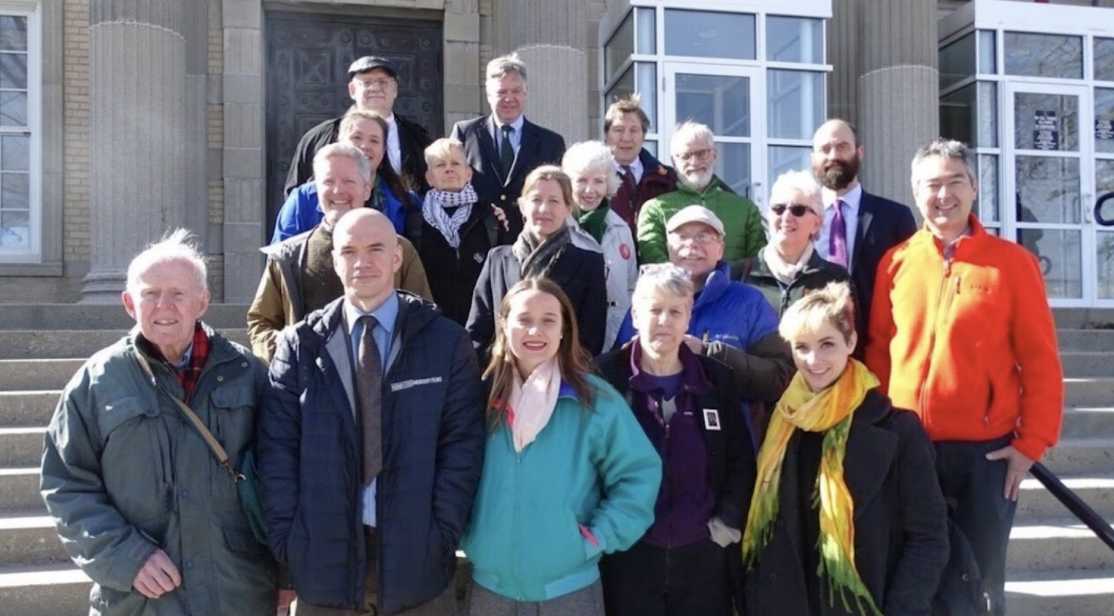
(31,9)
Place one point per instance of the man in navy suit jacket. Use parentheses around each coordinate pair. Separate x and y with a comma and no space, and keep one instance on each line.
(872,224)
(484,139)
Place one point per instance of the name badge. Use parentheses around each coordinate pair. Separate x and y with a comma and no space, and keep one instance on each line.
(711,419)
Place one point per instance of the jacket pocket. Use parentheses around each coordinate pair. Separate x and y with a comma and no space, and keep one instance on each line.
(136,460)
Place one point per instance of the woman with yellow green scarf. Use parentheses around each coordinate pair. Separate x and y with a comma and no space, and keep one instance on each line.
(847,516)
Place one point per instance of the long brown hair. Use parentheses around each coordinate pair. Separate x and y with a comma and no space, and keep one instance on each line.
(572,360)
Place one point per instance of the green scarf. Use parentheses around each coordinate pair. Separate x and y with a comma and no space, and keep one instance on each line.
(595,222)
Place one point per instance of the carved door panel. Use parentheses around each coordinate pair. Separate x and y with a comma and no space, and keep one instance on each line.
(308,54)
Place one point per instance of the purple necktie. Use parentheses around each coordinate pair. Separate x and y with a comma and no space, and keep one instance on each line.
(837,243)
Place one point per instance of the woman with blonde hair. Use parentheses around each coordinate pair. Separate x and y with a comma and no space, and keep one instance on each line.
(596,227)
(544,248)
(847,516)
(568,474)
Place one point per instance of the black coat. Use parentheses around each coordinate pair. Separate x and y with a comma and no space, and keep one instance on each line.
(309,458)
(732,468)
(883,224)
(901,535)
(537,147)
(816,274)
(578,272)
(452,273)
(413,139)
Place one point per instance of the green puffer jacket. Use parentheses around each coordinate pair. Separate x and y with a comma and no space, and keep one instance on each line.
(124,474)
(742,222)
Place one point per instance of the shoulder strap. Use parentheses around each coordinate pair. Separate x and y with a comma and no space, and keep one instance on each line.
(210,440)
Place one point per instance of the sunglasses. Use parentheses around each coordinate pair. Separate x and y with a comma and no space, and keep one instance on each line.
(795,209)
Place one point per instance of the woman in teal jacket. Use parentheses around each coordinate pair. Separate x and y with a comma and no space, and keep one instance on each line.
(568,473)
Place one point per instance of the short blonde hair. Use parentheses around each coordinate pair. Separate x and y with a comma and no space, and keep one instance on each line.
(443,149)
(831,305)
(548,172)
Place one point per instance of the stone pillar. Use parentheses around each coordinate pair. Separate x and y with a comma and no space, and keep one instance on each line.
(843,54)
(138,134)
(899,98)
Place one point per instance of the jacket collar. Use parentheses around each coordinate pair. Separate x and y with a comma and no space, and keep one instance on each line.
(693,379)
(717,283)
(977,235)
(713,186)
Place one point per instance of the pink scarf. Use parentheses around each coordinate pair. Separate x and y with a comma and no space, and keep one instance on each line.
(532,402)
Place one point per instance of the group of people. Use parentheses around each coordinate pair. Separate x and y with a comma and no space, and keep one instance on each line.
(607,380)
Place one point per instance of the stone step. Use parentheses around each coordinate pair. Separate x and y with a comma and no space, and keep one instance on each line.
(26,409)
(36,374)
(44,590)
(1066,592)
(101,316)
(1083,318)
(29,540)
(1088,340)
(19,491)
(1097,391)
(74,343)
(1088,421)
(1063,544)
(1078,364)
(1036,504)
(21,447)
(1081,457)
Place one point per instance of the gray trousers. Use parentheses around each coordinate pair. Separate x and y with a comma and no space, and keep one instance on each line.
(585,602)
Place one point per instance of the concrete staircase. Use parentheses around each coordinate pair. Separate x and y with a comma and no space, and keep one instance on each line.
(1056,565)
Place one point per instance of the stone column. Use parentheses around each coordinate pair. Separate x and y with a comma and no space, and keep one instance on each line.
(899,96)
(138,134)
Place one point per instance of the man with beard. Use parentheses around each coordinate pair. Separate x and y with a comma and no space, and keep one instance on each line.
(858,227)
(694,153)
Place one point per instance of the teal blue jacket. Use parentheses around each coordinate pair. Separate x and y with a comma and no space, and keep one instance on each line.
(591,467)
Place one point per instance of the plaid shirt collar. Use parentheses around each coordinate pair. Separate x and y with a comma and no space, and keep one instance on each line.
(193,359)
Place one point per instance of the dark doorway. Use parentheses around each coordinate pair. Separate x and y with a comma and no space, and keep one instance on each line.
(307,77)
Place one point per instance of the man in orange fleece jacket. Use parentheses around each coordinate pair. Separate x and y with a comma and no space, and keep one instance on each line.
(961,333)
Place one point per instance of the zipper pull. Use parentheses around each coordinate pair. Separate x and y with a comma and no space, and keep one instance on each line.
(947,267)
(957,279)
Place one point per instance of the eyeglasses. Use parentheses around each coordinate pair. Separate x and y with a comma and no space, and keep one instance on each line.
(700,155)
(382,82)
(795,209)
(704,237)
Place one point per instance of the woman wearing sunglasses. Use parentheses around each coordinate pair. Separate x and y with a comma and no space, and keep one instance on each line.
(788,267)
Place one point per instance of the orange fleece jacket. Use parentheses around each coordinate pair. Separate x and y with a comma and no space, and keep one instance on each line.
(969,345)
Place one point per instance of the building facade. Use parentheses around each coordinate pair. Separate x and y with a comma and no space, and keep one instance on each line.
(120,119)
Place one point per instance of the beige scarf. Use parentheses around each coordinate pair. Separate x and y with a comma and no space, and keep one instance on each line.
(532,402)
(784,271)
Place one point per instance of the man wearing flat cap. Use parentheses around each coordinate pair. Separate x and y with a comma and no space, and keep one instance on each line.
(373,85)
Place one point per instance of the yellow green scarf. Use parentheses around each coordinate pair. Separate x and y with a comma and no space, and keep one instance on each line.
(828,411)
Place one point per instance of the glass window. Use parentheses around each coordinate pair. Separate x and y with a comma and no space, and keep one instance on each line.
(620,47)
(646,32)
(1043,55)
(1047,189)
(1060,254)
(988,189)
(970,114)
(988,53)
(733,166)
(16,205)
(652,147)
(708,34)
(1104,120)
(795,103)
(721,102)
(1046,122)
(787,158)
(646,80)
(957,61)
(793,39)
(1104,59)
(623,87)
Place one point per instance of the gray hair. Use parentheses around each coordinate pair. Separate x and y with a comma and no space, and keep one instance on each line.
(345,150)
(591,157)
(691,131)
(664,277)
(945,148)
(802,182)
(177,245)
(505,65)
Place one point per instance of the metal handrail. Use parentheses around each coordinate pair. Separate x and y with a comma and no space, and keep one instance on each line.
(1071,500)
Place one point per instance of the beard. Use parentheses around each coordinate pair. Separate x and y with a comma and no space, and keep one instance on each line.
(697,181)
(837,174)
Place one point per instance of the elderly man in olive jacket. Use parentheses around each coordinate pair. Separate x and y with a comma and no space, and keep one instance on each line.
(139,500)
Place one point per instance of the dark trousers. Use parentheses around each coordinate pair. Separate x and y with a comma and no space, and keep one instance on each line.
(973,487)
(683,581)
(441,605)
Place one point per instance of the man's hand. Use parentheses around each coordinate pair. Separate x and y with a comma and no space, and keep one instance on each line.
(286,596)
(157,577)
(696,345)
(1019,465)
(501,216)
